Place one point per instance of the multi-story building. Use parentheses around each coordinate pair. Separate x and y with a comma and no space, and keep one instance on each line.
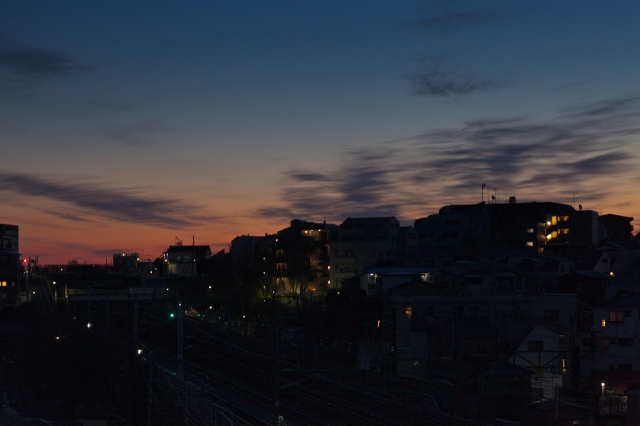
(366,242)
(249,255)
(183,260)
(533,228)
(9,263)
(610,352)
(458,227)
(126,263)
(617,228)
(303,255)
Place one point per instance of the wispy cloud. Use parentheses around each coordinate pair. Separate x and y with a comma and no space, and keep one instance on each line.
(441,16)
(440,76)
(438,73)
(21,65)
(96,200)
(37,63)
(576,150)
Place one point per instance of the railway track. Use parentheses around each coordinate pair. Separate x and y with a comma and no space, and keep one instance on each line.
(306,397)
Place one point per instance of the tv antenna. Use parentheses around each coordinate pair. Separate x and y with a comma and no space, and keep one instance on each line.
(178,241)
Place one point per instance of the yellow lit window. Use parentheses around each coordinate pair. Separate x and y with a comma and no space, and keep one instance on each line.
(604,323)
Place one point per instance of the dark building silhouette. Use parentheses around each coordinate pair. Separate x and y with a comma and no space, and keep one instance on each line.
(9,263)
(617,228)
(532,228)
(183,260)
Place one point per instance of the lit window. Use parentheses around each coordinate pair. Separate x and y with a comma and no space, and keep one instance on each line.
(604,323)
(529,243)
(408,312)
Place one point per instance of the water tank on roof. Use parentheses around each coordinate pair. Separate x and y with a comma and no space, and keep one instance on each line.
(512,199)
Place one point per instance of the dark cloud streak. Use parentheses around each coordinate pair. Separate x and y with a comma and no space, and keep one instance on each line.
(96,200)
(576,150)
(37,63)
(438,76)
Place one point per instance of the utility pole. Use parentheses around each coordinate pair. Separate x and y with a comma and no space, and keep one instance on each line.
(150,383)
(135,318)
(180,341)
(106,309)
(276,372)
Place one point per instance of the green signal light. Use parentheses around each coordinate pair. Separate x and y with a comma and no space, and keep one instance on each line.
(171,315)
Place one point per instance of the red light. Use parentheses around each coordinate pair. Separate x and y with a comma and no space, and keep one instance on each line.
(24,260)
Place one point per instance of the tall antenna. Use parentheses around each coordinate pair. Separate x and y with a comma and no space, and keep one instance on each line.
(573,199)
(483,185)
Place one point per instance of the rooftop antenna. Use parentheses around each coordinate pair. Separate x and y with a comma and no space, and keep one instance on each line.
(483,185)
(573,199)
(193,240)
(178,241)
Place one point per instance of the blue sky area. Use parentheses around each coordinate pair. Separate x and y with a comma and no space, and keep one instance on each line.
(124,124)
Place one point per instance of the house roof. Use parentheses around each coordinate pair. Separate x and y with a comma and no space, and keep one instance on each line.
(591,274)
(590,259)
(630,301)
(554,328)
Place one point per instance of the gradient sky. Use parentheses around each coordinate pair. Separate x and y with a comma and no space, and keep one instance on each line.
(125,124)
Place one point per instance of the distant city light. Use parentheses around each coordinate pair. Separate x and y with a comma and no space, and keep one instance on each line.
(89,325)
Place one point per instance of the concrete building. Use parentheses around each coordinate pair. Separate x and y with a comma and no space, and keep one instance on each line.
(367,242)
(125,263)
(182,261)
(248,257)
(9,263)
(611,350)
(536,229)
(303,255)
(465,226)
(617,228)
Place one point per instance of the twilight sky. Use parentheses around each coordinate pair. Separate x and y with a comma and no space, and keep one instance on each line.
(125,124)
